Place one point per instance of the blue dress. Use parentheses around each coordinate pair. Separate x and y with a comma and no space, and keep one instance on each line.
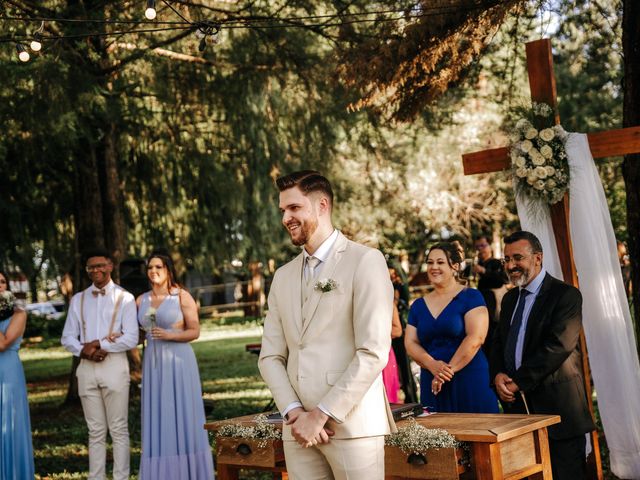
(175,445)
(469,391)
(16,451)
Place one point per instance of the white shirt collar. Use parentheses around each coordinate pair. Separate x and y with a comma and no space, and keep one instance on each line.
(323,250)
(536,283)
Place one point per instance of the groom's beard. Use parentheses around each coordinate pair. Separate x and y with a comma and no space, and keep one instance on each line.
(519,280)
(304,233)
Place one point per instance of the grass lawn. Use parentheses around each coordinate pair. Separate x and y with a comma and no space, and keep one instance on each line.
(229,377)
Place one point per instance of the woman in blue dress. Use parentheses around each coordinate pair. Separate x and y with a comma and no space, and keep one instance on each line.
(175,444)
(445,331)
(16,451)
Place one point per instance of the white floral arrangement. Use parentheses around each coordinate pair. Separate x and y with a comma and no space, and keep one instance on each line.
(326,285)
(7,302)
(150,319)
(261,431)
(414,438)
(538,157)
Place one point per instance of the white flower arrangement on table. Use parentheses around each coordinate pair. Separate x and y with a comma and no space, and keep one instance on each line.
(414,438)
(326,285)
(261,431)
(538,157)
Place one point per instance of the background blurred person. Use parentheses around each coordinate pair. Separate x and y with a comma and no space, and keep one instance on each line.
(625,266)
(174,442)
(495,286)
(390,372)
(465,265)
(484,254)
(446,330)
(401,302)
(16,450)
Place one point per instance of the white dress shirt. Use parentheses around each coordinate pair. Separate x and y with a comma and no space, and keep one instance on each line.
(533,288)
(98,312)
(321,253)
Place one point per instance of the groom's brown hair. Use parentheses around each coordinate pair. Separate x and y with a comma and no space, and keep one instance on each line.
(307,181)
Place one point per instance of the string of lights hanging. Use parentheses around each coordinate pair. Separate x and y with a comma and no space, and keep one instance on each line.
(207,31)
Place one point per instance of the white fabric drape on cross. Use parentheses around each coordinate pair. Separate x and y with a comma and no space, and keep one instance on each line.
(605,311)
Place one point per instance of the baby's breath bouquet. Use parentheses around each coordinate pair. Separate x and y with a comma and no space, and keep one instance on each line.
(538,156)
(7,302)
(261,431)
(414,438)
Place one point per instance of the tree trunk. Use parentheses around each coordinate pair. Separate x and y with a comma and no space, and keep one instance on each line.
(112,215)
(631,164)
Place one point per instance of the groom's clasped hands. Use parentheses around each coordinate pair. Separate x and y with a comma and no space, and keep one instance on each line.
(308,428)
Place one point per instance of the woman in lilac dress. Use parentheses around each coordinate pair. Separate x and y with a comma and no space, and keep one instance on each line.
(16,451)
(446,330)
(175,444)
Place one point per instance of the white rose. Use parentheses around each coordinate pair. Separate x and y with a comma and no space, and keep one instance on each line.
(551,183)
(522,172)
(531,133)
(540,172)
(520,162)
(536,158)
(514,137)
(526,146)
(531,179)
(547,134)
(546,151)
(539,185)
(550,171)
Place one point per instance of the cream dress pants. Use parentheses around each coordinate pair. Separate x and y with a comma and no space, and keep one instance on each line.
(342,459)
(104,392)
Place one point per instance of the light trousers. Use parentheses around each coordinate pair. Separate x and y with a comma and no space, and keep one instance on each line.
(340,459)
(104,392)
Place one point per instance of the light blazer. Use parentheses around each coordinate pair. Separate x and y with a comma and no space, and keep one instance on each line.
(551,371)
(333,350)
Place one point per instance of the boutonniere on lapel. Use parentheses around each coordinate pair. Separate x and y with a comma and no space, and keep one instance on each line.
(326,285)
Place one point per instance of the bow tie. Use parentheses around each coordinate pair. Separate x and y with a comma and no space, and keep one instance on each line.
(95,293)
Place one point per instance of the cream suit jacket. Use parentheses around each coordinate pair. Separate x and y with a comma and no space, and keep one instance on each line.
(332,350)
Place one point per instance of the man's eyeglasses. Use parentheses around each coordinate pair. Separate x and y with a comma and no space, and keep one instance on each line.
(517,258)
(97,266)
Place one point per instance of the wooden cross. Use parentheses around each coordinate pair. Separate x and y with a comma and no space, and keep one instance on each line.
(611,143)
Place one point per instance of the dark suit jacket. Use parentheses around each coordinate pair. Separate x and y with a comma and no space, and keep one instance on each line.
(550,374)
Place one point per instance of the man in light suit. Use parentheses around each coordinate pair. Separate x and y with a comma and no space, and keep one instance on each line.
(535,358)
(326,341)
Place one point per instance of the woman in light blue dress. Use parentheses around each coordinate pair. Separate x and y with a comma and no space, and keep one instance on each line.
(175,445)
(16,451)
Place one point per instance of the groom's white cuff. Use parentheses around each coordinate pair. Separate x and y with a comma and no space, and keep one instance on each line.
(290,407)
(323,409)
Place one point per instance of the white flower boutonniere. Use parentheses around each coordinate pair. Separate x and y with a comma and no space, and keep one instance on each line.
(326,285)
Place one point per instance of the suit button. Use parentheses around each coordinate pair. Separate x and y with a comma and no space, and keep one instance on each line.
(302,346)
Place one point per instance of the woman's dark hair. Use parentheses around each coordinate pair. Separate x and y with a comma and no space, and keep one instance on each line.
(167,261)
(6,278)
(450,251)
(495,275)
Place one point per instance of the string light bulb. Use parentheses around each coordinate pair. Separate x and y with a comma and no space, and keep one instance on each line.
(36,44)
(150,12)
(23,55)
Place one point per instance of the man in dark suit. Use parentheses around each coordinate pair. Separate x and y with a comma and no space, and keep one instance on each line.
(535,360)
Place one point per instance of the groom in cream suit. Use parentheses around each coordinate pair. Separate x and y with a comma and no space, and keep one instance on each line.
(326,340)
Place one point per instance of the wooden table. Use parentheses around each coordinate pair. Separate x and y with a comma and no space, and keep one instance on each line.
(507,447)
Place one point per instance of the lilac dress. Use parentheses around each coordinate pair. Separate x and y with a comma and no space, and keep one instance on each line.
(16,452)
(175,444)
